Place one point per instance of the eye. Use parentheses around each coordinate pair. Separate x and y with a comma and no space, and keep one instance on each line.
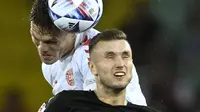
(110,55)
(125,55)
(51,42)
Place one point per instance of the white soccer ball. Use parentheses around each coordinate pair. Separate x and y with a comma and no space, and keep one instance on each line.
(75,15)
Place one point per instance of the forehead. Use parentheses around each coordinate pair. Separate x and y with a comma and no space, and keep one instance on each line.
(34,28)
(116,46)
(36,33)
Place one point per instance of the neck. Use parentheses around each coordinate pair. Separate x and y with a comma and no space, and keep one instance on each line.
(111,96)
(64,56)
(67,52)
(69,48)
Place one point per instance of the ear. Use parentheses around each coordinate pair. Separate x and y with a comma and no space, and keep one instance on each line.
(92,68)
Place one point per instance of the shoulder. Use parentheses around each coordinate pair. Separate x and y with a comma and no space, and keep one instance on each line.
(81,54)
(92,32)
(73,95)
(86,37)
(140,108)
(82,51)
(48,71)
(75,101)
(48,68)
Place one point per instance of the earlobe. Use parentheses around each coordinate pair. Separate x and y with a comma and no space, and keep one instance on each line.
(92,68)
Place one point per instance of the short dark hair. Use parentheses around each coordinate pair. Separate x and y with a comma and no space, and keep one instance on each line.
(107,35)
(40,16)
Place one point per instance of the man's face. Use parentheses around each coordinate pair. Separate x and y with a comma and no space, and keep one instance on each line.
(111,62)
(51,48)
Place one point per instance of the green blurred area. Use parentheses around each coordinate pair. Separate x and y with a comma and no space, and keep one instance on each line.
(20,66)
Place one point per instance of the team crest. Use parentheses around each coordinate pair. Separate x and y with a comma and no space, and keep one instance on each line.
(70,77)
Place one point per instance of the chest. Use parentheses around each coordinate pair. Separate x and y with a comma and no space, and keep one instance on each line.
(66,76)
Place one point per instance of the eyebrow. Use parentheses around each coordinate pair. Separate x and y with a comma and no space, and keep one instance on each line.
(127,52)
(112,53)
(118,52)
(109,52)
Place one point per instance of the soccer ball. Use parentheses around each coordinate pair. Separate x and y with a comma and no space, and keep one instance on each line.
(75,15)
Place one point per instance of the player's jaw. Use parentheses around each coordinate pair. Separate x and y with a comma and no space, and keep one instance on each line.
(48,58)
(116,81)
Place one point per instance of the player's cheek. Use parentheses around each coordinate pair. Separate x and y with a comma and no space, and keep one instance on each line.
(54,47)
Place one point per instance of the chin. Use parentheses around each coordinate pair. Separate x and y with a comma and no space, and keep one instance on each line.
(119,87)
(48,62)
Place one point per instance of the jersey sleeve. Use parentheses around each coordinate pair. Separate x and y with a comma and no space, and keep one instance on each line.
(133,90)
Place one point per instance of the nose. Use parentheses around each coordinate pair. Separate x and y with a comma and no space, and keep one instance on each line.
(119,63)
(43,47)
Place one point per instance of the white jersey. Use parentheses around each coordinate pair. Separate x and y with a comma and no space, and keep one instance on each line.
(73,73)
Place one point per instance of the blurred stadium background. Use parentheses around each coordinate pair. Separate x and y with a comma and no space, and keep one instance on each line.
(164,36)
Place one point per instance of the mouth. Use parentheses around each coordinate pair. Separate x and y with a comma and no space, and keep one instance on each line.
(119,74)
(47,57)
